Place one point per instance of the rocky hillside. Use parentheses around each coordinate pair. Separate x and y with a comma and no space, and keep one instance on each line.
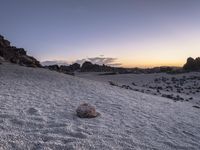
(16,55)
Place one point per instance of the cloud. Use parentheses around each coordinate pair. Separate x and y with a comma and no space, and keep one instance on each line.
(100,60)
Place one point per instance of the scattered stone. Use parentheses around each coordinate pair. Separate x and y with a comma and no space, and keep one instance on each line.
(112,83)
(126,87)
(86,110)
(198,107)
(134,84)
(167,96)
(173,97)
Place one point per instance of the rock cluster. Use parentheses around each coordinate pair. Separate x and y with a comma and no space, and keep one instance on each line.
(16,55)
(86,110)
(192,64)
(65,69)
(88,66)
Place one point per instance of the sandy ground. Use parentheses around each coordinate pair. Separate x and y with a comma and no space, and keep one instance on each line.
(37,112)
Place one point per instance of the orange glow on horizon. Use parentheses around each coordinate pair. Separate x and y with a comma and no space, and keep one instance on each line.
(151,63)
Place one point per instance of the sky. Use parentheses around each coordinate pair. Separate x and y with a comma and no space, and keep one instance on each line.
(129,33)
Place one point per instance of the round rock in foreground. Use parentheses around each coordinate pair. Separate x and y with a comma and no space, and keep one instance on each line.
(86,110)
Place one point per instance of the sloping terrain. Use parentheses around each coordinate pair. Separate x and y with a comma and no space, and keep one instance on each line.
(37,111)
(184,87)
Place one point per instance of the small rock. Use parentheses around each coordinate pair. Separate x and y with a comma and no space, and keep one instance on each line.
(197,107)
(112,83)
(86,110)
(1,60)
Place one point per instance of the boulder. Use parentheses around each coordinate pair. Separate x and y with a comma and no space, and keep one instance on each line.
(86,110)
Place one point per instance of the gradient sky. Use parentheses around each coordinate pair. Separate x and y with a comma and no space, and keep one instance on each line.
(139,33)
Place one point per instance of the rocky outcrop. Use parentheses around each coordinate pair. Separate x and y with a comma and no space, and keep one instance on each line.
(64,69)
(192,64)
(87,66)
(53,67)
(75,66)
(4,43)
(16,55)
(70,68)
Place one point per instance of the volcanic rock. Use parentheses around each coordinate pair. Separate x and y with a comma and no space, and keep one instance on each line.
(86,110)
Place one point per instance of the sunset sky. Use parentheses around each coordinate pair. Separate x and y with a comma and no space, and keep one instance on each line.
(142,33)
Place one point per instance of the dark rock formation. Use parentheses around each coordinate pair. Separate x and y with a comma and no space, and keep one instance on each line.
(89,67)
(53,67)
(75,66)
(86,110)
(192,64)
(65,69)
(70,68)
(16,55)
